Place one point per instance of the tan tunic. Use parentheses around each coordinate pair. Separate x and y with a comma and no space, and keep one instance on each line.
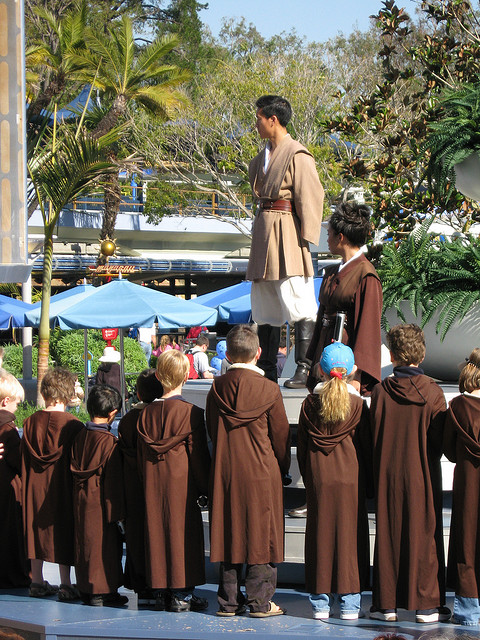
(175,464)
(461,444)
(332,467)
(98,506)
(407,420)
(47,485)
(250,434)
(280,239)
(13,563)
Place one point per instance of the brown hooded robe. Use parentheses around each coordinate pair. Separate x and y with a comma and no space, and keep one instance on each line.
(355,290)
(98,506)
(408,415)
(250,433)
(47,485)
(13,563)
(175,463)
(462,445)
(336,537)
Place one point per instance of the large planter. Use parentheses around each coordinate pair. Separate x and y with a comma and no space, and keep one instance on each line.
(443,358)
(467,177)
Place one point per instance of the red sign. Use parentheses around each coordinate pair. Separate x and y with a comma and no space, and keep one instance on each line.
(109,335)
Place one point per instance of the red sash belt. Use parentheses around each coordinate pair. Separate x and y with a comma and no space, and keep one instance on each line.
(276,205)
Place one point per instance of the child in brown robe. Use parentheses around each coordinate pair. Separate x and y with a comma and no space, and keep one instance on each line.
(408,414)
(148,388)
(13,562)
(98,502)
(47,485)
(333,433)
(174,463)
(461,444)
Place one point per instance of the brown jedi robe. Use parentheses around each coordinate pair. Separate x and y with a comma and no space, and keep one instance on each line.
(336,537)
(408,415)
(175,463)
(461,444)
(280,239)
(47,485)
(250,433)
(135,573)
(355,290)
(13,563)
(98,505)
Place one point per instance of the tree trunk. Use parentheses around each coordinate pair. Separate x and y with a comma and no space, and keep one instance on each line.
(44,328)
(112,199)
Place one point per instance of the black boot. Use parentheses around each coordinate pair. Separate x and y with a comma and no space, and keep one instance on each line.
(303,335)
(269,338)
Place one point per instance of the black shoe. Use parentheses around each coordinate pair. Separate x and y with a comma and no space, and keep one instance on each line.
(114,600)
(299,380)
(95,601)
(160,600)
(299,512)
(146,597)
(198,604)
(177,604)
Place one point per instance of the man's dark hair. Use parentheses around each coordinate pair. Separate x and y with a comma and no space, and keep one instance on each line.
(102,398)
(275,106)
(149,386)
(242,343)
(353,221)
(202,339)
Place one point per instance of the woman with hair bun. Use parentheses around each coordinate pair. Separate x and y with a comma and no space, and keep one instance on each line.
(352,287)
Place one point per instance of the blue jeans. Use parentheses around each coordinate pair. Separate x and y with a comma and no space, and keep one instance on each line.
(147,350)
(349,602)
(466,611)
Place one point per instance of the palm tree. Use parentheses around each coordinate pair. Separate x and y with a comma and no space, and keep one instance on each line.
(123,79)
(62,168)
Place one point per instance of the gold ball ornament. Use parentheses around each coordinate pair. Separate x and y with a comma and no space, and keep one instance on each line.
(108,247)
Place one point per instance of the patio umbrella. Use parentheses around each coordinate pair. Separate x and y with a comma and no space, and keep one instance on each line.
(12,312)
(58,303)
(123,304)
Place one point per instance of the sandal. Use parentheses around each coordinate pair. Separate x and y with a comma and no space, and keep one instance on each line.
(42,590)
(274,610)
(68,593)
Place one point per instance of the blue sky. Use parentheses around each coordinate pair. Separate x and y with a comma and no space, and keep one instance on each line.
(318,20)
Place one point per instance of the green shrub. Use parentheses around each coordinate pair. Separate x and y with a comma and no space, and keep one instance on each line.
(13,359)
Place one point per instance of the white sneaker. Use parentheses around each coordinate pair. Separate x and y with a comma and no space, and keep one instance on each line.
(321,615)
(352,616)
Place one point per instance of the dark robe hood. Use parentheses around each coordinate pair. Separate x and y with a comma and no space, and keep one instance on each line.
(469,437)
(152,426)
(6,417)
(412,390)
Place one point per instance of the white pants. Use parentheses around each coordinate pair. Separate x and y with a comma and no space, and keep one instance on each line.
(288,300)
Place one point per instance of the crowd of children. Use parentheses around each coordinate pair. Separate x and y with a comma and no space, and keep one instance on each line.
(78,490)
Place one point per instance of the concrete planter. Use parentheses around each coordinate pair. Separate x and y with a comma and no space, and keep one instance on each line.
(467,176)
(443,358)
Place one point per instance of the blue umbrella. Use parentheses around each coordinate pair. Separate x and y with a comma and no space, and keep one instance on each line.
(58,303)
(124,304)
(12,312)
(216,298)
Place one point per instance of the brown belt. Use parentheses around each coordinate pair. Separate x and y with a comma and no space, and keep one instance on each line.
(276,205)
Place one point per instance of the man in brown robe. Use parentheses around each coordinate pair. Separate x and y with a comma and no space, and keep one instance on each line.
(408,413)
(250,435)
(13,563)
(148,388)
(289,198)
(98,502)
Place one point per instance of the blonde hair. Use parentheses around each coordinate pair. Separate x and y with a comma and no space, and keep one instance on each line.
(470,375)
(334,400)
(164,340)
(172,368)
(10,387)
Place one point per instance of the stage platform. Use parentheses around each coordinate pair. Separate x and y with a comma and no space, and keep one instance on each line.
(47,619)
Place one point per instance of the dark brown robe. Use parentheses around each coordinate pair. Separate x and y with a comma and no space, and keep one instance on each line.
(47,485)
(135,573)
(462,445)
(337,556)
(175,463)
(280,239)
(408,415)
(13,563)
(98,506)
(355,290)
(250,433)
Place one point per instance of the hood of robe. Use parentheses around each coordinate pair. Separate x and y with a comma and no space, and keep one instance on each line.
(158,421)
(45,440)
(326,442)
(242,396)
(88,459)
(412,390)
(6,417)
(466,417)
